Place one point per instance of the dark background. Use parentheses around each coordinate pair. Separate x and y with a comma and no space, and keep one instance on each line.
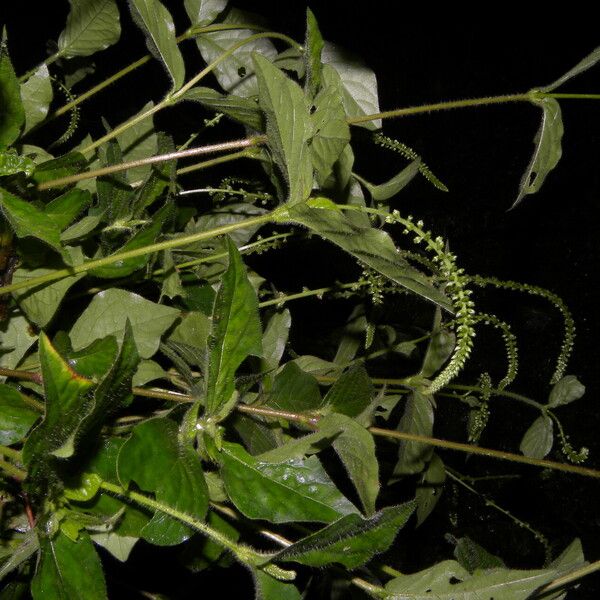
(422,56)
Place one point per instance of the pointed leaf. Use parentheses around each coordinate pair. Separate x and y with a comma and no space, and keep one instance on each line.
(548,148)
(538,439)
(109,310)
(429,490)
(275,338)
(68,569)
(16,417)
(384,191)
(289,127)
(236,332)
(158,27)
(67,402)
(313,46)
(351,541)
(473,557)
(440,347)
(294,390)
(92,25)
(11,163)
(62,211)
(351,393)
(370,246)
(36,94)
(65,165)
(12,114)
(583,65)
(204,12)
(567,390)
(15,339)
(295,490)
(154,458)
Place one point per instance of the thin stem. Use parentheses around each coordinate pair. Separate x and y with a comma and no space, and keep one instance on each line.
(165,245)
(498,392)
(216,161)
(13,471)
(10,452)
(567,96)
(178,154)
(310,420)
(283,298)
(439,106)
(22,375)
(569,578)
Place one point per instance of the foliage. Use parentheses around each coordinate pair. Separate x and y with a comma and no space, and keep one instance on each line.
(111,279)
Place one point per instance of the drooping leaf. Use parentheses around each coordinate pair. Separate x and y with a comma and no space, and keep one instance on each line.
(358,81)
(36,94)
(294,390)
(384,191)
(538,439)
(289,127)
(269,588)
(235,74)
(448,581)
(567,390)
(351,393)
(68,569)
(16,417)
(158,27)
(548,148)
(109,310)
(351,541)
(240,109)
(331,132)
(295,490)
(236,332)
(92,25)
(583,65)
(12,114)
(67,402)
(417,419)
(370,246)
(313,45)
(429,489)
(154,458)
(28,221)
(204,12)
(143,237)
(12,163)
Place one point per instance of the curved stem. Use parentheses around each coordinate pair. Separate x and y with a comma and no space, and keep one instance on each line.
(498,392)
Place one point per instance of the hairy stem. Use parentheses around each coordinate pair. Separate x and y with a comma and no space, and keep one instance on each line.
(12,471)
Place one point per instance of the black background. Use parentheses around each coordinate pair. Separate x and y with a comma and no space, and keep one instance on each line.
(422,56)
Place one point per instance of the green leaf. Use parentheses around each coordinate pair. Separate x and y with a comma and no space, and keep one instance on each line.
(331,132)
(120,546)
(294,390)
(115,195)
(418,419)
(313,46)
(235,74)
(351,393)
(148,370)
(567,390)
(109,310)
(289,127)
(68,570)
(275,338)
(23,552)
(440,347)
(548,148)
(143,237)
(370,246)
(29,221)
(384,191)
(158,27)
(92,25)
(351,541)
(16,337)
(62,211)
(16,418)
(269,588)
(11,163)
(68,164)
(236,331)
(448,581)
(429,489)
(154,458)
(473,557)
(36,94)
(538,439)
(12,114)
(295,490)
(358,81)
(240,109)
(355,448)
(92,362)
(204,12)
(583,65)
(67,402)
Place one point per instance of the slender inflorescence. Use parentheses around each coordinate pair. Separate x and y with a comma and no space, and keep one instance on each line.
(73,114)
(408,153)
(569,335)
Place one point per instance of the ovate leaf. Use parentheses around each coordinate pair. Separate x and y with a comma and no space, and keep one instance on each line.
(275,338)
(203,12)
(236,331)
(62,211)
(538,439)
(295,490)
(567,390)
(429,489)
(313,46)
(351,541)
(548,148)
(158,27)
(108,312)
(68,569)
(440,347)
(12,163)
(472,556)
(269,588)
(16,337)
(12,114)
(294,390)
(92,25)
(16,417)
(289,127)
(351,393)
(36,94)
